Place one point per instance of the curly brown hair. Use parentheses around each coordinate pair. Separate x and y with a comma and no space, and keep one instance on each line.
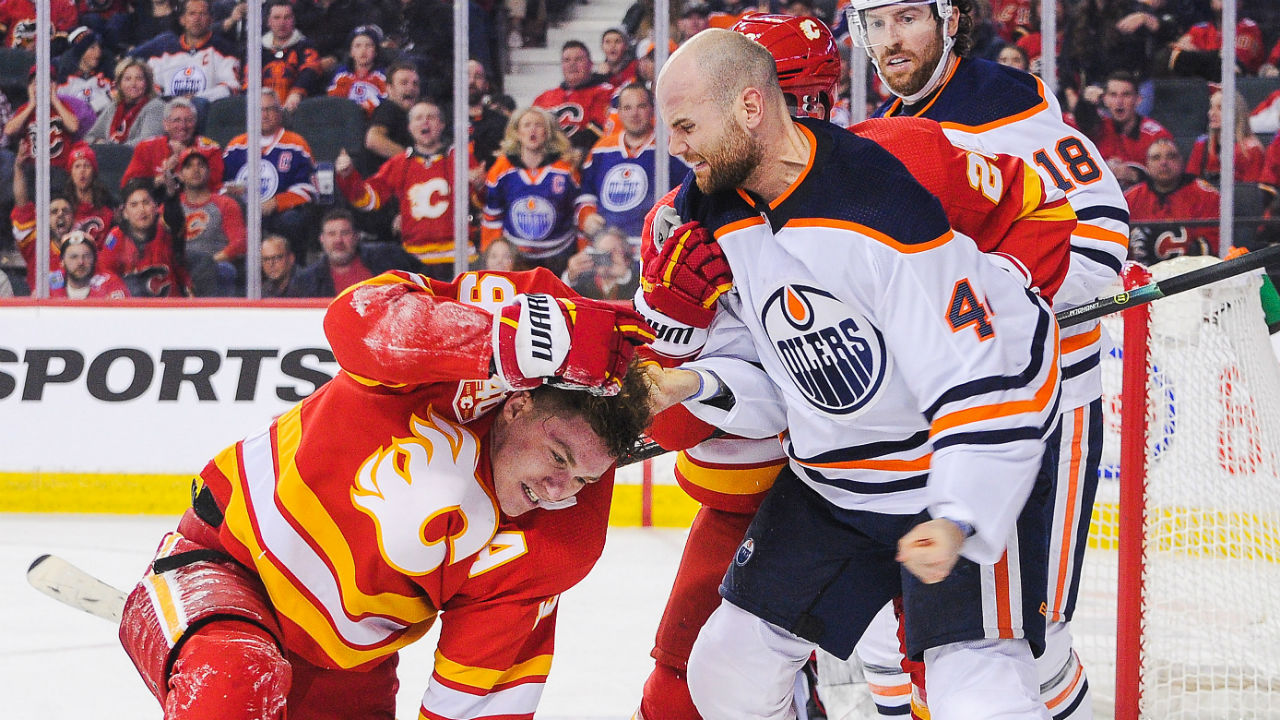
(964,33)
(617,420)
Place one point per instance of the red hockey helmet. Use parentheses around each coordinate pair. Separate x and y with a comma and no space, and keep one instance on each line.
(806,55)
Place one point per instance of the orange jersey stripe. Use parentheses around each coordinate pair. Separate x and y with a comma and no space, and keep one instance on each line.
(1069,517)
(876,235)
(1072,343)
(1093,232)
(988,412)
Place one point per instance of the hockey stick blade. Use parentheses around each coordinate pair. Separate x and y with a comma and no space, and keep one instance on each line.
(72,586)
(1168,286)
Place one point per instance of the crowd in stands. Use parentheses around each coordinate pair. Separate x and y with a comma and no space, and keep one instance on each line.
(563,183)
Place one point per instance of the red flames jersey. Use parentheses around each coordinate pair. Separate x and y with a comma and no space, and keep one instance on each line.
(1250,52)
(368,509)
(1194,199)
(578,108)
(423,184)
(165,275)
(1129,147)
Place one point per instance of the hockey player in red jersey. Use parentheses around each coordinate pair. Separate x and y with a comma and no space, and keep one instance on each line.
(419,482)
(995,199)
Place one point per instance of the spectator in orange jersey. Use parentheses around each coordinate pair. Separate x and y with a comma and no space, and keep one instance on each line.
(1164,209)
(290,65)
(361,79)
(79,278)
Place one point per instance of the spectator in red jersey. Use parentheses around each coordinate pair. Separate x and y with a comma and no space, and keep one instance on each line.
(278,263)
(1124,136)
(1249,153)
(421,182)
(361,79)
(79,278)
(135,112)
(1198,53)
(1171,213)
(23,218)
(618,66)
(147,248)
(214,230)
(18,20)
(157,158)
(290,65)
(580,103)
(345,261)
(94,204)
(69,119)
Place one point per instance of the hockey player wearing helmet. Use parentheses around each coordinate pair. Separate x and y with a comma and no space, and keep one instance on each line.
(919,50)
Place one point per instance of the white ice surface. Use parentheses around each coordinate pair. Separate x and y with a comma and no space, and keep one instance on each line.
(61,664)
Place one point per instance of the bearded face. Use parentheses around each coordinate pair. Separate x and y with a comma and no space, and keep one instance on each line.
(730,161)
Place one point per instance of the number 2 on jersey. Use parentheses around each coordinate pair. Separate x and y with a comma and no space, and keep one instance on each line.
(965,310)
(1075,156)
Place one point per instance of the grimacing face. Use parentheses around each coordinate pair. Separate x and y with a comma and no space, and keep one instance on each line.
(541,457)
(708,138)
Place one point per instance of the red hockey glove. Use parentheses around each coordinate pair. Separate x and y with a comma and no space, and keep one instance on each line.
(688,275)
(572,343)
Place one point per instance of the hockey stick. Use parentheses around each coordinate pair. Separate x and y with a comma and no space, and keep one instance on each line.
(1169,286)
(72,586)
(647,449)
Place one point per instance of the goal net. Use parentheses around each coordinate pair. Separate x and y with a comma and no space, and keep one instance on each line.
(1202,589)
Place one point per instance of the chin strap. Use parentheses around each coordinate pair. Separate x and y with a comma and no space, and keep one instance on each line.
(935,78)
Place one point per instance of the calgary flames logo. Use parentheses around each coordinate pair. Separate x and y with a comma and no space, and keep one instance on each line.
(424,497)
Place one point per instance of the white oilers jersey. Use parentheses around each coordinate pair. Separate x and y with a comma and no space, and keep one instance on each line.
(1008,111)
(907,369)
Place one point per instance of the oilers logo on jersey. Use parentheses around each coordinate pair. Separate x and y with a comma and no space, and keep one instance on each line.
(745,551)
(190,80)
(837,361)
(625,186)
(533,217)
(268,179)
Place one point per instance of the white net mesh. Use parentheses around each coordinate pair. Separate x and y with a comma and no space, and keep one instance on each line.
(1211,616)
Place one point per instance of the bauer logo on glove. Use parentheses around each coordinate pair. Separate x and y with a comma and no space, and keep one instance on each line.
(687,275)
(573,343)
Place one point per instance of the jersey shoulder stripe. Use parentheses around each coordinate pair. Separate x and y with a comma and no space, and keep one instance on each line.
(874,189)
(1008,96)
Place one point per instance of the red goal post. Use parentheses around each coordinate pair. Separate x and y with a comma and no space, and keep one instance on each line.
(1179,610)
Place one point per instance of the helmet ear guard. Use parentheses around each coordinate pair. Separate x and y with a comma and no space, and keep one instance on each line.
(805,54)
